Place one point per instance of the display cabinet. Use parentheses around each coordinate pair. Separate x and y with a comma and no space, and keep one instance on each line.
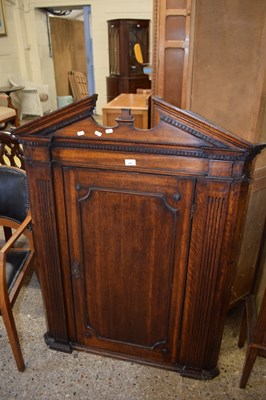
(126,74)
(137,233)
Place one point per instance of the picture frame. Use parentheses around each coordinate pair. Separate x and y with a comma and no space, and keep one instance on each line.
(3,31)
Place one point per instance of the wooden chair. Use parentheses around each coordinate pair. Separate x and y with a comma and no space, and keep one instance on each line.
(7,114)
(254,327)
(15,260)
(254,324)
(79,84)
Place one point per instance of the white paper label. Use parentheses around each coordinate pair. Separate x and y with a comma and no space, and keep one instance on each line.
(130,161)
(80,133)
(97,133)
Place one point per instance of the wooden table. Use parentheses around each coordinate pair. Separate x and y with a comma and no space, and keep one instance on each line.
(138,103)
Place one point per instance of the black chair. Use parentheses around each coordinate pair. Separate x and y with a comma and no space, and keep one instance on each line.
(15,259)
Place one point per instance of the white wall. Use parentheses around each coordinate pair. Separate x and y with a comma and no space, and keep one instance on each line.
(25,50)
(9,53)
(46,61)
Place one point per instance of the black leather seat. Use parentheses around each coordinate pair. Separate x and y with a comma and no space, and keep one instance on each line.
(16,255)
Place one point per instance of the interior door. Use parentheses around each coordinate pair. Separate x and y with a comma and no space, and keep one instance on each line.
(69,52)
(128,237)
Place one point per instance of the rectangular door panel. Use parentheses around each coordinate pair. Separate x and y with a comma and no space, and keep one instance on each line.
(123,229)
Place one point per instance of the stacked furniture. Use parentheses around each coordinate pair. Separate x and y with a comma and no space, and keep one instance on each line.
(79,84)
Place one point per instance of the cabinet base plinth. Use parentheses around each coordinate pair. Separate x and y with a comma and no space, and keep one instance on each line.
(65,347)
(199,374)
(184,371)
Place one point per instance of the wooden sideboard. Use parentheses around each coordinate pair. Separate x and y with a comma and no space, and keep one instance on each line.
(136,233)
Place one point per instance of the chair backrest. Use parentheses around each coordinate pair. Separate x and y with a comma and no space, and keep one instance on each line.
(79,84)
(14,199)
(11,152)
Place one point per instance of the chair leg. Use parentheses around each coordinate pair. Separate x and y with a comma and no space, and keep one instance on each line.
(248,365)
(17,120)
(11,330)
(243,330)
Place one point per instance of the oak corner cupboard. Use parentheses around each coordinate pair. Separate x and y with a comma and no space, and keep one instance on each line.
(136,233)
(125,73)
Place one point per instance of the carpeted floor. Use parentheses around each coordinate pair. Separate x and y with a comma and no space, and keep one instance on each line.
(53,375)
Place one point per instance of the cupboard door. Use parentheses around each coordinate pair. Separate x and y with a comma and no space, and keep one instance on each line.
(128,238)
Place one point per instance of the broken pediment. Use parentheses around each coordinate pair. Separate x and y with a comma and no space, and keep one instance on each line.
(178,132)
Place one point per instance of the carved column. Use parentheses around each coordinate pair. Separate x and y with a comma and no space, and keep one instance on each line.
(46,246)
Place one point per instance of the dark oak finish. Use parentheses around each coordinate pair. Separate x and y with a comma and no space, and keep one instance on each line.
(139,233)
(126,74)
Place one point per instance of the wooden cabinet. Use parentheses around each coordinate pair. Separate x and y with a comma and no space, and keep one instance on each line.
(126,74)
(136,233)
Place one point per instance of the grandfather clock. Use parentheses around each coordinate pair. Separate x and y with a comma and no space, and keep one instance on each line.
(126,74)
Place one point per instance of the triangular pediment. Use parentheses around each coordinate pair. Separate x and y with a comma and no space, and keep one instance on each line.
(194,125)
